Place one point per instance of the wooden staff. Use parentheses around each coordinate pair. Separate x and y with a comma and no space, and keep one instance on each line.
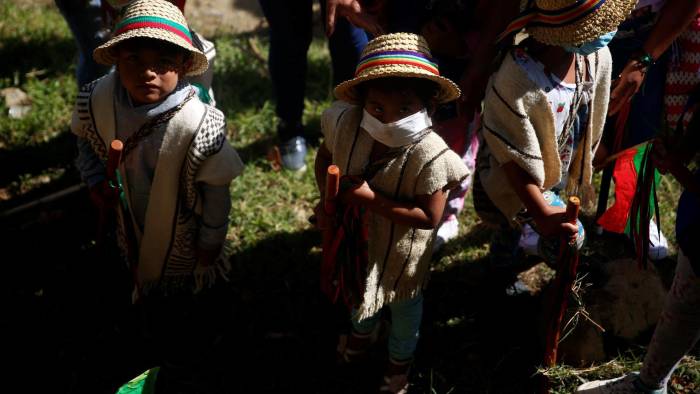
(566,275)
(332,187)
(114,157)
(329,207)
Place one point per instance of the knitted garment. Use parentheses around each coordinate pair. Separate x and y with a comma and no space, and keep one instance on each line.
(399,256)
(194,150)
(683,77)
(518,125)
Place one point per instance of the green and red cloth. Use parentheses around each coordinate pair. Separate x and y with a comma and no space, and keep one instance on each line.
(626,171)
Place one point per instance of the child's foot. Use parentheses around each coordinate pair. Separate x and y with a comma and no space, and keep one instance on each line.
(449,229)
(396,377)
(628,384)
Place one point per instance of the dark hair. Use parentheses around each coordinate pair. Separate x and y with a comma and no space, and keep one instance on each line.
(163,47)
(425,89)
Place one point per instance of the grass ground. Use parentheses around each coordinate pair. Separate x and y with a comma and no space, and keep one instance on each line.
(71,311)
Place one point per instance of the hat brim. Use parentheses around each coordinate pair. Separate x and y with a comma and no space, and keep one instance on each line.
(105,53)
(347,91)
(605,20)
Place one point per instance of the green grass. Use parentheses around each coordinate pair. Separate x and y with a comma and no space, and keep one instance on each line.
(270,210)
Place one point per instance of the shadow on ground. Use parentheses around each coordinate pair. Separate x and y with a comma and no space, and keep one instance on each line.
(72,315)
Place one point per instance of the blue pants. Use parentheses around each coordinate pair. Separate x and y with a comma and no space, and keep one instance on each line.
(406,317)
(84,19)
(290,36)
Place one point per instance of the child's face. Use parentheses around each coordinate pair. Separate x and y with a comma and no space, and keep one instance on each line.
(149,75)
(391,105)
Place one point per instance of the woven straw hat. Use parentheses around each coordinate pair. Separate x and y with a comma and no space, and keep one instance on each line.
(571,22)
(157,19)
(397,55)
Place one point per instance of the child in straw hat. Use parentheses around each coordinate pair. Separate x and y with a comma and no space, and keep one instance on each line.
(176,165)
(543,118)
(113,12)
(379,134)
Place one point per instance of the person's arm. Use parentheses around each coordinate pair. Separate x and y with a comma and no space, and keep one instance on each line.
(549,220)
(216,205)
(356,13)
(674,161)
(496,18)
(674,18)
(425,213)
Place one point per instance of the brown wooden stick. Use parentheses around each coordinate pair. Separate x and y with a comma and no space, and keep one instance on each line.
(332,187)
(114,156)
(566,275)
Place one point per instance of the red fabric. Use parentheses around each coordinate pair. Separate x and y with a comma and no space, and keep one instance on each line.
(344,265)
(625,176)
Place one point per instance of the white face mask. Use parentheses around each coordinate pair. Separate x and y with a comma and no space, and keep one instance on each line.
(395,134)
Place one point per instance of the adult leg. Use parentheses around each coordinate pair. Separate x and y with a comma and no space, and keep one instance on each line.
(84,19)
(678,328)
(290,37)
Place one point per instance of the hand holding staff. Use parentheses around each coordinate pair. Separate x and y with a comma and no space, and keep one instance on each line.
(566,275)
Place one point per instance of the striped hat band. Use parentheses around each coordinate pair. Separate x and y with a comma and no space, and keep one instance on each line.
(153,22)
(409,58)
(535,16)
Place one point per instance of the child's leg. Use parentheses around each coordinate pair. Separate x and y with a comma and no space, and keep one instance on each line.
(678,328)
(361,338)
(406,318)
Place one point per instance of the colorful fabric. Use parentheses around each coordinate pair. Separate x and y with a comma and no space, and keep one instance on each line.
(615,219)
(683,77)
(142,384)
(344,266)
(534,16)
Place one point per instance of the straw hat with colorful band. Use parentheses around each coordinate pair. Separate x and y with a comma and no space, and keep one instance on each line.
(157,19)
(570,22)
(397,55)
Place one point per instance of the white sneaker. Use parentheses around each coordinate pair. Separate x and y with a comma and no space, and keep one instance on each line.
(658,245)
(449,229)
(628,384)
(529,240)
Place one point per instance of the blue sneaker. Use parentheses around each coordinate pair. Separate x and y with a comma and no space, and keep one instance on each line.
(293,154)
